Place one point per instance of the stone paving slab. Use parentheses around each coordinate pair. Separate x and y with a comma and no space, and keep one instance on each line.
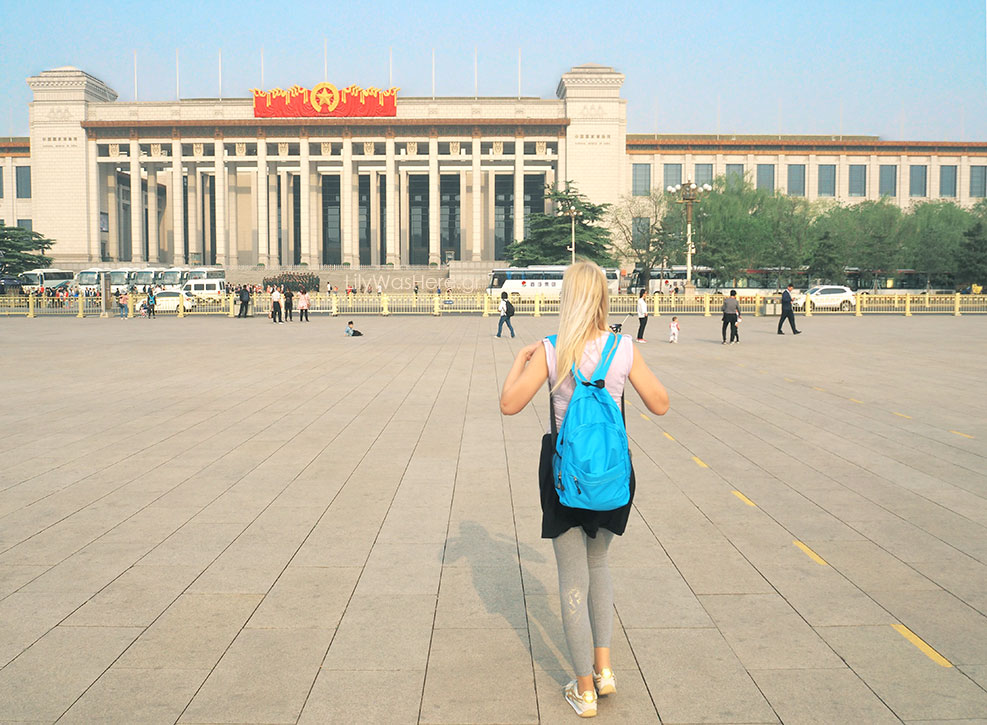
(279,524)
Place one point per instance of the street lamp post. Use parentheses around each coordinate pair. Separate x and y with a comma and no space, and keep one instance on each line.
(689,194)
(573,213)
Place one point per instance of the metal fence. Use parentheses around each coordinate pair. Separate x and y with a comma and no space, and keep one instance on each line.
(482,304)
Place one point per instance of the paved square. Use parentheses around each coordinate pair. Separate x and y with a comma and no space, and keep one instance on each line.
(228,521)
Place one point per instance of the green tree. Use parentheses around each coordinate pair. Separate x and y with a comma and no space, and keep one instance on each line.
(735,226)
(550,234)
(22,250)
(932,235)
(647,229)
(972,256)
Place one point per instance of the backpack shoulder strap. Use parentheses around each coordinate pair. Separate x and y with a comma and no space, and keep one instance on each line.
(606,358)
(552,339)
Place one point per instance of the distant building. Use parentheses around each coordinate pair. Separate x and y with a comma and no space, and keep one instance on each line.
(401,181)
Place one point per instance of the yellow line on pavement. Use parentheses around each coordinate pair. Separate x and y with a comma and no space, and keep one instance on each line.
(699,462)
(789,380)
(667,435)
(965,435)
(854,400)
(901,415)
(821,390)
(743,498)
(923,646)
(644,416)
(810,553)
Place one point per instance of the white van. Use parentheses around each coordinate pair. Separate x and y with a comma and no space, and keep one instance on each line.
(207,288)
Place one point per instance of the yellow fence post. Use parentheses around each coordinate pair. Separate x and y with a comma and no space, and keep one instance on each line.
(538,306)
(335,305)
(808,305)
(30,305)
(705,304)
(908,305)
(486,305)
(858,300)
(181,304)
(436,308)
(655,298)
(82,306)
(231,306)
(956,305)
(384,310)
(130,305)
(757,305)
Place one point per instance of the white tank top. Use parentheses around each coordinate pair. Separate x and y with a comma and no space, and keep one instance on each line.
(620,368)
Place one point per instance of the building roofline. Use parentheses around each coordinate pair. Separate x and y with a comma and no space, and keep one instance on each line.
(651,143)
(325,121)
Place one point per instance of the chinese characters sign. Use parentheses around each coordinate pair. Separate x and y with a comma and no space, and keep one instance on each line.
(325,100)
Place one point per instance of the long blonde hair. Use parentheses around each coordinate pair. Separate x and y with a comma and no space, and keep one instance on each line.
(584,307)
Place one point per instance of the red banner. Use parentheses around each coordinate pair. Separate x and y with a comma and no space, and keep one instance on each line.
(325,100)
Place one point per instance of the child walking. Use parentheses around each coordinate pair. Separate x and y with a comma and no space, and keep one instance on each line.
(673,330)
(581,537)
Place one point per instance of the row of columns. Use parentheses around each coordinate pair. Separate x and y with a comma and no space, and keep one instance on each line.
(266,200)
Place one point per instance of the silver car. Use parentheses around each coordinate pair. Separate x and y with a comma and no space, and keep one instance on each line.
(827,297)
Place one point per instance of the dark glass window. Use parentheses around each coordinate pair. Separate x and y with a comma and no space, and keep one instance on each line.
(766,177)
(382,221)
(332,251)
(363,217)
(25,224)
(503,213)
(534,199)
(449,217)
(418,217)
(857,180)
(978,181)
(1,182)
(947,181)
(887,184)
(640,181)
(796,179)
(917,177)
(704,174)
(827,180)
(23,181)
(735,171)
(640,227)
(673,175)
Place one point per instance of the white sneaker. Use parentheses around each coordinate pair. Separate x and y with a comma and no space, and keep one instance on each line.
(584,704)
(605,682)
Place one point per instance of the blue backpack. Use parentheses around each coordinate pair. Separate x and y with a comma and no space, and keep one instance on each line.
(592,464)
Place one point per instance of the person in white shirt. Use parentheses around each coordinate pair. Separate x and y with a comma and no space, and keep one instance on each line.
(673,330)
(276,305)
(642,316)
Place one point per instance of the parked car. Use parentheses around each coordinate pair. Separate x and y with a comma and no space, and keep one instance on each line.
(826,297)
(167,301)
(10,285)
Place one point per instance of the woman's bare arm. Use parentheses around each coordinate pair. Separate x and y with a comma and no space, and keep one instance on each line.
(650,389)
(528,373)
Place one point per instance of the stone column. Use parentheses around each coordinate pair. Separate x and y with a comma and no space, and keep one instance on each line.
(233,253)
(260,199)
(434,199)
(490,194)
(391,200)
(904,181)
(842,179)
(194,196)
(374,212)
(464,217)
(873,178)
(177,212)
(812,177)
(476,196)
(287,258)
(152,216)
(304,178)
(932,178)
(273,246)
(136,203)
(562,159)
(963,181)
(208,216)
(113,213)
(518,187)
(405,234)
(93,181)
(346,204)
(221,186)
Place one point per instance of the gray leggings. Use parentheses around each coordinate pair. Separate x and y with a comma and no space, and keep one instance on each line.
(586,593)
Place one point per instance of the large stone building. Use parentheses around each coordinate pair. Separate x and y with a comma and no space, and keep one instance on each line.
(215,181)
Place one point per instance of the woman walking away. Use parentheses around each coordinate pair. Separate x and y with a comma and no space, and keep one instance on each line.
(642,316)
(731,315)
(303,303)
(276,305)
(583,352)
(287,294)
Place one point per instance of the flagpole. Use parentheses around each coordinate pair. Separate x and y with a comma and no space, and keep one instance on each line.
(220,74)
(433,74)
(390,67)
(519,73)
(476,74)
(262,68)
(178,94)
(325,59)
(135,75)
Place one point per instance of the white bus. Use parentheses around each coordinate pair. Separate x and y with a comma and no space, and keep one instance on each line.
(121,280)
(545,280)
(147,277)
(35,279)
(174,278)
(89,279)
(208,273)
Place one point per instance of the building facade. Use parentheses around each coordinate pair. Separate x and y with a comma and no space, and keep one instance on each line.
(209,181)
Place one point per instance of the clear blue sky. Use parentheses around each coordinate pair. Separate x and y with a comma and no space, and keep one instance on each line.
(907,69)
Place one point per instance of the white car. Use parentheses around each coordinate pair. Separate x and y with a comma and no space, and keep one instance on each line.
(167,301)
(826,297)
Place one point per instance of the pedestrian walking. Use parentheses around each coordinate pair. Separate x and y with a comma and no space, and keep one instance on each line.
(731,316)
(152,300)
(786,311)
(303,303)
(673,330)
(506,309)
(122,301)
(288,297)
(276,305)
(642,316)
(584,351)
(244,302)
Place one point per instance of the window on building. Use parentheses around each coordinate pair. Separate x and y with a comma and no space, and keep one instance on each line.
(641,181)
(704,174)
(887,184)
(639,231)
(1,183)
(23,181)
(947,181)
(673,175)
(857,180)
(331,227)
(827,180)
(978,181)
(735,171)
(418,218)
(25,224)
(917,174)
(766,177)
(796,179)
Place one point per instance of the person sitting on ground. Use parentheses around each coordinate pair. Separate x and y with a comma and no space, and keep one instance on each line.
(352,331)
